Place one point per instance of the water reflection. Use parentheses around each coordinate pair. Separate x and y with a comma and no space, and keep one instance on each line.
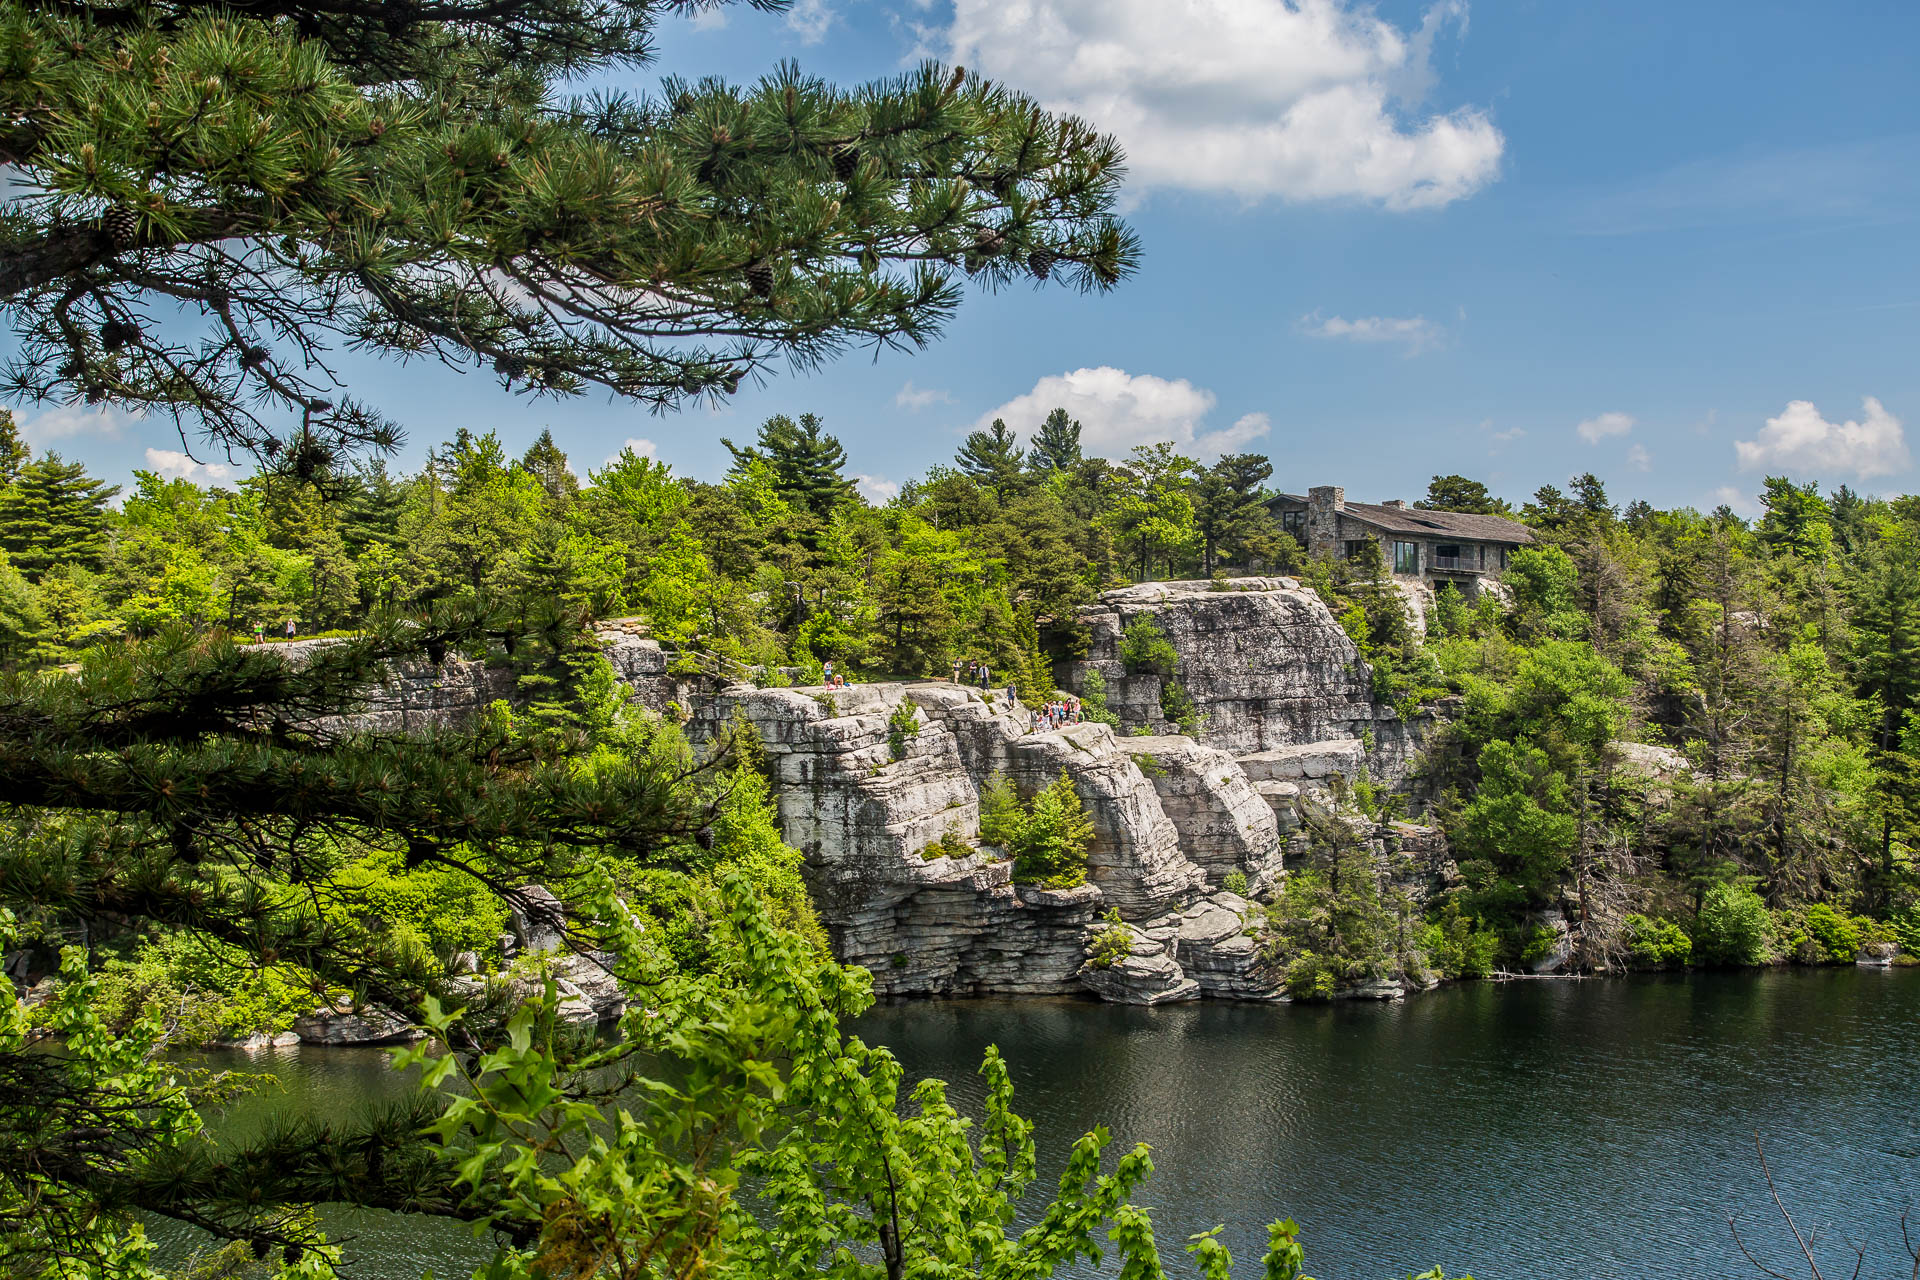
(1541,1129)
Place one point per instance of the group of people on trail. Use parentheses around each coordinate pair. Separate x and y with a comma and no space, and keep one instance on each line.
(1055,714)
(260,631)
(978,673)
(830,679)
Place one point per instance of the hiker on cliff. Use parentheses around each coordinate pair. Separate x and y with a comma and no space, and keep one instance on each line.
(827,669)
(291,629)
(986,679)
(956,671)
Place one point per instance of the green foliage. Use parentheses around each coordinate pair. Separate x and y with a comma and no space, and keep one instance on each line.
(1144,648)
(903,726)
(1002,817)
(1732,928)
(809,1143)
(951,844)
(1093,700)
(1516,835)
(1177,705)
(1818,934)
(1112,944)
(210,990)
(1235,881)
(1457,946)
(1657,944)
(1051,848)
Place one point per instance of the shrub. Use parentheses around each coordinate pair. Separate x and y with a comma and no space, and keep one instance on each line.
(1311,977)
(1732,928)
(1144,648)
(903,725)
(1835,939)
(827,703)
(1459,947)
(1177,705)
(1001,817)
(1112,944)
(1656,944)
(210,990)
(1236,882)
(1093,700)
(1052,848)
(951,844)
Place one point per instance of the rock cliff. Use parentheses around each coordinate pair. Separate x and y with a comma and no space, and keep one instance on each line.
(1267,667)
(891,840)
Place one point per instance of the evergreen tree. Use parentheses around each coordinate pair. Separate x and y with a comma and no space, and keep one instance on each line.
(14,453)
(993,458)
(1056,446)
(1797,521)
(664,248)
(806,463)
(54,513)
(1152,511)
(371,508)
(1230,512)
(547,462)
(1457,493)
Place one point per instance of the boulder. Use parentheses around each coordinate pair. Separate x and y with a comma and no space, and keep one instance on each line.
(1147,975)
(354,1027)
(539,919)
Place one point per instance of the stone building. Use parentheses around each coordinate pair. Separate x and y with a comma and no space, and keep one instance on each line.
(1429,547)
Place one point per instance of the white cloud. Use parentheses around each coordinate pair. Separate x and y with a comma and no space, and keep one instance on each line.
(640,448)
(714,19)
(172,462)
(1594,430)
(1740,501)
(1118,410)
(1801,440)
(809,19)
(876,489)
(915,399)
(1509,435)
(1415,333)
(1639,459)
(69,420)
(1299,99)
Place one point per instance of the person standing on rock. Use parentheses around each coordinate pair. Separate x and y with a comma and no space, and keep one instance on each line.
(827,670)
(956,671)
(986,679)
(291,629)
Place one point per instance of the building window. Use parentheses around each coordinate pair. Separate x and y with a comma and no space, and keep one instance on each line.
(1446,555)
(1295,523)
(1406,557)
(1357,547)
(1483,555)
(1503,557)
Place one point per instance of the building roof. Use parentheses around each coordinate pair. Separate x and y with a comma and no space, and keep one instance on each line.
(1456,524)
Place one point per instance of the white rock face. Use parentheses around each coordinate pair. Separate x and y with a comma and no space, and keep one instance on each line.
(1266,665)
(943,924)
(1223,823)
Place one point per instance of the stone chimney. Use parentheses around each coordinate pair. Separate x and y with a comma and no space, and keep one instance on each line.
(1398,504)
(1324,504)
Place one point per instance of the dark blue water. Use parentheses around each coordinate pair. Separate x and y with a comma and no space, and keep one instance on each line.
(1533,1129)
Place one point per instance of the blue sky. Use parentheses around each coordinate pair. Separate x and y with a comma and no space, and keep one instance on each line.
(1669,243)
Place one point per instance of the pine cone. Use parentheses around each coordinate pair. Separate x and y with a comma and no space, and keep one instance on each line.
(760,278)
(115,334)
(1041,261)
(122,226)
(846,163)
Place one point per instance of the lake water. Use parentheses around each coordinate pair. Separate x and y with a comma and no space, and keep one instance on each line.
(1532,1129)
